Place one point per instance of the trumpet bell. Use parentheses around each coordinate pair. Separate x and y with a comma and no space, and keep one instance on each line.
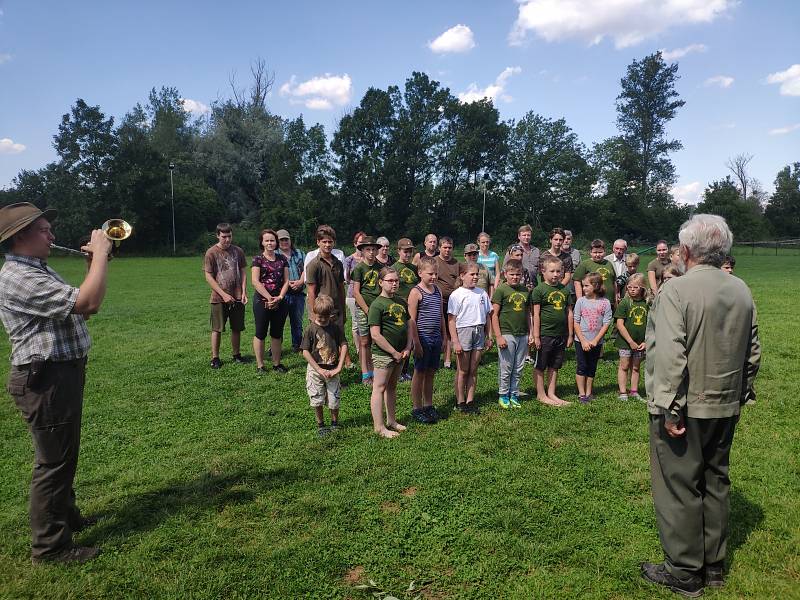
(117,229)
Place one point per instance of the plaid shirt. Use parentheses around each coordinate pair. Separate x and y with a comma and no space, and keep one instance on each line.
(36,310)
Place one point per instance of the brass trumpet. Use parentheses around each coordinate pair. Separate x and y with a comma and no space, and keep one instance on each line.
(114,229)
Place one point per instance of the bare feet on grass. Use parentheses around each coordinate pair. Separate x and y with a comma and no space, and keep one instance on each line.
(396,427)
(558,401)
(386,433)
(552,401)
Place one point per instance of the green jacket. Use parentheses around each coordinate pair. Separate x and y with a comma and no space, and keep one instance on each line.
(703,350)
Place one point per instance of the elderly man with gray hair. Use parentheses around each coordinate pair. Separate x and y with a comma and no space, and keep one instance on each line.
(617,257)
(703,354)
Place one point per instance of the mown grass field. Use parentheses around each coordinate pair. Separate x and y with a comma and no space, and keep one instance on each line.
(214,484)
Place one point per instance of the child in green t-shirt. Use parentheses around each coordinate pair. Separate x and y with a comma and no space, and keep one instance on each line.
(552,329)
(631,316)
(596,264)
(388,326)
(511,321)
(365,290)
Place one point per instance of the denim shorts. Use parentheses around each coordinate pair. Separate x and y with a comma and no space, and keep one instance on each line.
(431,351)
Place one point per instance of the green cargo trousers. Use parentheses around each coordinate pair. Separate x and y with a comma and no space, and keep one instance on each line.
(689,477)
(52,407)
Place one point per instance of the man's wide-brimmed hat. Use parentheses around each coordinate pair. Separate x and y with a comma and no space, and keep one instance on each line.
(367,240)
(16,217)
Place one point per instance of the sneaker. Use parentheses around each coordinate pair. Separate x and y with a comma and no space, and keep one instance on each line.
(471,408)
(623,397)
(522,394)
(421,416)
(261,370)
(714,576)
(514,401)
(634,395)
(73,554)
(584,399)
(237,358)
(529,360)
(504,402)
(216,363)
(334,425)
(448,365)
(280,368)
(658,574)
(434,416)
(405,378)
(461,407)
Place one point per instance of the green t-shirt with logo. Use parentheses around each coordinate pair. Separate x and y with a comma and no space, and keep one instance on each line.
(604,268)
(554,303)
(634,312)
(391,314)
(367,276)
(407,273)
(515,305)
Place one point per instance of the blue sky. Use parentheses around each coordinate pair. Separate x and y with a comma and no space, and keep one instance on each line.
(739,64)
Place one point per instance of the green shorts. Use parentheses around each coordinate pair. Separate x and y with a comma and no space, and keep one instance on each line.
(361,324)
(222,312)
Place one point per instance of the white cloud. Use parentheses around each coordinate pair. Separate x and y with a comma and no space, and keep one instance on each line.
(784,130)
(4,58)
(8,146)
(493,91)
(789,80)
(690,193)
(455,39)
(319,93)
(195,107)
(722,81)
(627,22)
(681,52)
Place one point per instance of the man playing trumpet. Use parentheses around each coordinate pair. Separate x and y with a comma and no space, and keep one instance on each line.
(45,320)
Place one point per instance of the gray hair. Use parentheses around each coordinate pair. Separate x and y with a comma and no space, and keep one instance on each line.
(707,237)
(620,241)
(567,232)
(382,241)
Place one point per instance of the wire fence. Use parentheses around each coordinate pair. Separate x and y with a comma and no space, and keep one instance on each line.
(787,247)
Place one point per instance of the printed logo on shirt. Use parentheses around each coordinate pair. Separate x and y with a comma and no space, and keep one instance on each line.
(557,299)
(407,275)
(518,300)
(638,314)
(371,278)
(604,273)
(397,312)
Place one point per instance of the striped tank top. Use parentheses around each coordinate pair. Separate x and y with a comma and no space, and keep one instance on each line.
(429,313)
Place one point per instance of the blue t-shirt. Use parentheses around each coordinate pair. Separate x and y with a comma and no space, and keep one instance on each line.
(489,261)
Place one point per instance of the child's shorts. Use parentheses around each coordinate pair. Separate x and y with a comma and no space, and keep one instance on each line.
(472,338)
(628,353)
(431,352)
(381,361)
(551,354)
(322,391)
(362,327)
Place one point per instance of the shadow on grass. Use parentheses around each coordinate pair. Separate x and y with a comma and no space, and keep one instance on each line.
(745,517)
(143,512)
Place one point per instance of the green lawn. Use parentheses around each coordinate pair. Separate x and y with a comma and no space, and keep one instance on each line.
(214,484)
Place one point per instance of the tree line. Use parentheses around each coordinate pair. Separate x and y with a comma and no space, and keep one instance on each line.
(407,160)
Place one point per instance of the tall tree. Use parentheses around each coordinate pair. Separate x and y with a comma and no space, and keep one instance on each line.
(738,166)
(783,209)
(723,198)
(647,103)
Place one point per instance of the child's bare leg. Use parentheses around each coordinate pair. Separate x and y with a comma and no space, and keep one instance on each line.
(472,376)
(622,374)
(580,381)
(417,388)
(551,387)
(447,348)
(541,394)
(589,383)
(376,404)
(334,415)
(390,397)
(427,399)
(635,364)
(365,354)
(462,372)
(320,416)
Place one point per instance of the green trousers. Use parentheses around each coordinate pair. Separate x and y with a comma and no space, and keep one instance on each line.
(690,483)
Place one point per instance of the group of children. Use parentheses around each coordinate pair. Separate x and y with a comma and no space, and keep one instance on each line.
(402,311)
